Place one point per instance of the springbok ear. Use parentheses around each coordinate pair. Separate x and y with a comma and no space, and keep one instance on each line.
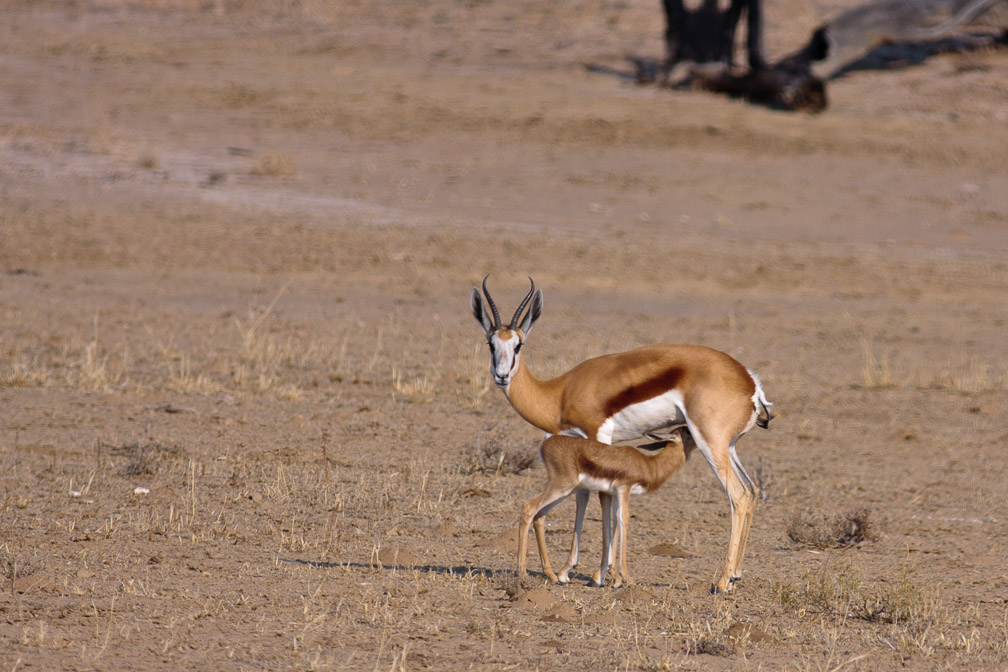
(476,303)
(534,311)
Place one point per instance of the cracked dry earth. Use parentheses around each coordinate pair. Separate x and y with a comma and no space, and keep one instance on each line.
(246,419)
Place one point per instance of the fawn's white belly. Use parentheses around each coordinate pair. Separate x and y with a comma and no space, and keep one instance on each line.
(604,485)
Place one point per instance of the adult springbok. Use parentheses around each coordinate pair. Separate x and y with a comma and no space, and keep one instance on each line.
(645,392)
(573,464)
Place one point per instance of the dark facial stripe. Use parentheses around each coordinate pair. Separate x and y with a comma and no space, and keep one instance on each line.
(647,389)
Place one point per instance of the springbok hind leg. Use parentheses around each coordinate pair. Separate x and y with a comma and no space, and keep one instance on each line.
(717,444)
(752,499)
(623,532)
(740,505)
(717,452)
(607,502)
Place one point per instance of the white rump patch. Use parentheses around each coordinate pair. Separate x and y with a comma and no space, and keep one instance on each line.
(758,399)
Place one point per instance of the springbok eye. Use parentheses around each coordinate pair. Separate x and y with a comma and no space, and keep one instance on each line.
(518,348)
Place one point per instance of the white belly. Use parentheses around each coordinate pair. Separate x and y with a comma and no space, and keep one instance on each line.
(636,420)
(602,485)
(596,484)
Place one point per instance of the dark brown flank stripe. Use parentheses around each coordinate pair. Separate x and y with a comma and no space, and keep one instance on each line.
(586,466)
(649,389)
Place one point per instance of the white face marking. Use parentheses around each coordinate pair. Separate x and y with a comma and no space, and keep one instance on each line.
(504,354)
(653,415)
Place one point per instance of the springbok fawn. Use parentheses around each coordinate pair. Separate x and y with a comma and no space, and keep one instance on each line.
(573,463)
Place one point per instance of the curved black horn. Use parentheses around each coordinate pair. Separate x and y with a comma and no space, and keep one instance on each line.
(521,306)
(493,306)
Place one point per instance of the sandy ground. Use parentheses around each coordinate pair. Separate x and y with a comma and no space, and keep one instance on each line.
(246,420)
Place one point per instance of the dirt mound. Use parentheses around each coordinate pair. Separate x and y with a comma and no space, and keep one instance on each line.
(562,613)
(446,530)
(635,595)
(396,556)
(506,543)
(669,550)
(741,632)
(538,599)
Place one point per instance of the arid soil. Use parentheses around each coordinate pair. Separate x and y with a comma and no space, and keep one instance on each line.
(246,418)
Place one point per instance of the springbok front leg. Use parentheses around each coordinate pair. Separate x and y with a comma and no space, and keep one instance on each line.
(533,511)
(581,498)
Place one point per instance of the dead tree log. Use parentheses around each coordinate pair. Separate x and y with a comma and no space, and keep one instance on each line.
(853,34)
(798,81)
(787,85)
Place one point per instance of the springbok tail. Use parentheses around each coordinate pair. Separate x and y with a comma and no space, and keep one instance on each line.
(765,415)
(761,405)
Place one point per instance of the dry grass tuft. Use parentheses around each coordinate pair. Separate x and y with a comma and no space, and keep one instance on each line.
(417,389)
(494,454)
(762,477)
(142,457)
(712,646)
(94,370)
(900,602)
(472,370)
(25,371)
(875,374)
(181,377)
(15,565)
(966,376)
(260,352)
(839,590)
(275,165)
(515,585)
(969,377)
(838,531)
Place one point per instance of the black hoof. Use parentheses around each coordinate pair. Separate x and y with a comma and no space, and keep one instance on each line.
(731,582)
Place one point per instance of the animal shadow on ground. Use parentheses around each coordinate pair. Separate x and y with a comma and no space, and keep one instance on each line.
(534,577)
(446,570)
(899,56)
